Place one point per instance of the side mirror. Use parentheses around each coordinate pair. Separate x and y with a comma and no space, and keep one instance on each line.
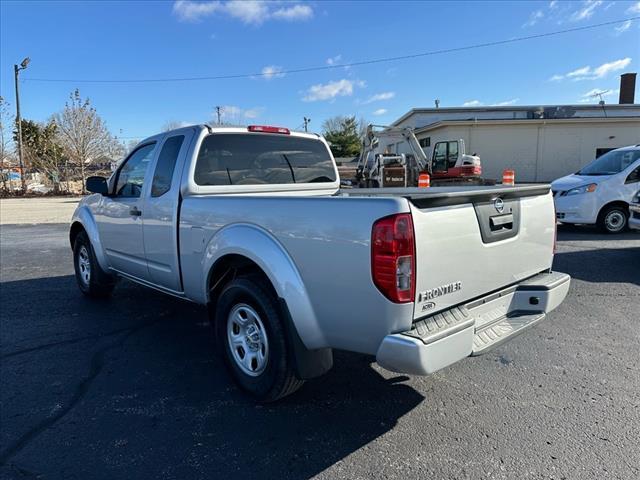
(98,185)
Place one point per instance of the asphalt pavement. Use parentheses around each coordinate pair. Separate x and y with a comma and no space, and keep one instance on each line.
(132,388)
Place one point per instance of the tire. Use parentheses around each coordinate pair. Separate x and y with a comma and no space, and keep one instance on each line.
(250,332)
(613,219)
(92,280)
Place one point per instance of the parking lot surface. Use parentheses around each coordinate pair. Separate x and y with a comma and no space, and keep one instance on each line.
(132,387)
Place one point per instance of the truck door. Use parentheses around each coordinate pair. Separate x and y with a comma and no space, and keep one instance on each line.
(120,216)
(160,220)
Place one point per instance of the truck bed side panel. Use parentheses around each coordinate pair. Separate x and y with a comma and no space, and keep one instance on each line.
(328,238)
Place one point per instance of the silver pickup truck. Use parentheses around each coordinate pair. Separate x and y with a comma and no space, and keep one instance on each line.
(252,223)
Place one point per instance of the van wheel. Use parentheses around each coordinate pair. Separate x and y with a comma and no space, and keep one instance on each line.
(613,219)
(91,279)
(251,335)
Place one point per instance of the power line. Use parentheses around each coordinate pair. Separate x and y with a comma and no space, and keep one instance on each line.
(341,65)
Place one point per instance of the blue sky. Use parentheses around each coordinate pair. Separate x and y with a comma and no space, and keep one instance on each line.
(146,40)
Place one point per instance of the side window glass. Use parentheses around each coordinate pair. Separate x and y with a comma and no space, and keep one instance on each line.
(634,176)
(440,156)
(453,154)
(166,165)
(131,174)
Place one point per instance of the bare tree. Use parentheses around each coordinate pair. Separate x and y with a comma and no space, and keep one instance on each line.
(5,141)
(82,133)
(172,125)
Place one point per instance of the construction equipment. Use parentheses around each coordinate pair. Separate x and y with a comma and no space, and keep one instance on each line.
(449,163)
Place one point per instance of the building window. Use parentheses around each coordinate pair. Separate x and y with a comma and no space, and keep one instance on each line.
(425,142)
(602,151)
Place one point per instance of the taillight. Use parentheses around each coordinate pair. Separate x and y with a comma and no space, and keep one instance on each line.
(268,129)
(393,265)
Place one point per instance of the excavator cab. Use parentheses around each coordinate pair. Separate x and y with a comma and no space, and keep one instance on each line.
(449,161)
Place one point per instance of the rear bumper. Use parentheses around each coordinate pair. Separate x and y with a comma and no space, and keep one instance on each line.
(474,328)
(634,217)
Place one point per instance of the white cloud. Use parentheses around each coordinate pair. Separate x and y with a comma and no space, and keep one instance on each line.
(251,12)
(331,90)
(580,72)
(587,10)
(619,30)
(635,8)
(587,73)
(592,95)
(380,111)
(334,60)
(191,11)
(272,71)
(507,102)
(606,68)
(553,4)
(378,97)
(534,18)
(472,103)
(235,114)
(295,12)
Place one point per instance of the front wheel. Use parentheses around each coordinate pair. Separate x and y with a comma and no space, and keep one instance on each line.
(251,335)
(613,219)
(92,280)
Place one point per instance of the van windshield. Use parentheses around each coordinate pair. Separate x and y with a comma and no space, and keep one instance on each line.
(258,159)
(611,163)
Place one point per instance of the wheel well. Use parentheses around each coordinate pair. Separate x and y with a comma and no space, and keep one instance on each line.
(76,228)
(229,267)
(616,203)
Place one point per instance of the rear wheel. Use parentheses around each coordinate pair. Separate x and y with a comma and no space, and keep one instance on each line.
(251,335)
(613,219)
(92,280)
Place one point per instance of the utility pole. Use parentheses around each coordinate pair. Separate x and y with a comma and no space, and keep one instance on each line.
(218,112)
(16,70)
(307,121)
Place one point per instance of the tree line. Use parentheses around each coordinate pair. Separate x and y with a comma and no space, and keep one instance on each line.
(62,149)
(76,140)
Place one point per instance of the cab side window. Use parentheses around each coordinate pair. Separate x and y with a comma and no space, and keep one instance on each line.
(166,165)
(132,172)
(634,176)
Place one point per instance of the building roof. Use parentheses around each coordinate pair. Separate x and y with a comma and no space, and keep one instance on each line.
(514,108)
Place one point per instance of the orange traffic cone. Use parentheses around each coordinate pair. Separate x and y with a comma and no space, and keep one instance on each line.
(424,181)
(508,177)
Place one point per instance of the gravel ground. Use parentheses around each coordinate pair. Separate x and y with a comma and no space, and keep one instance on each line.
(132,388)
(37,210)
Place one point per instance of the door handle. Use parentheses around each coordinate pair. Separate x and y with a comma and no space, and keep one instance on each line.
(135,212)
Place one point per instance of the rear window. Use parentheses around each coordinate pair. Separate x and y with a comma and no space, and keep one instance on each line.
(262,159)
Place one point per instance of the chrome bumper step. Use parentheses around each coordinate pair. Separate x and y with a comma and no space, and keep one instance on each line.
(440,325)
(493,334)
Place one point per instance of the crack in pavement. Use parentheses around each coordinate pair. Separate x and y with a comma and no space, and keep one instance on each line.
(96,366)
(64,342)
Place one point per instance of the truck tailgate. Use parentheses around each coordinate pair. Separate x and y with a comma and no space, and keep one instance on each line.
(472,242)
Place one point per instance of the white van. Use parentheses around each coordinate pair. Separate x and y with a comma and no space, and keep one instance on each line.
(601,192)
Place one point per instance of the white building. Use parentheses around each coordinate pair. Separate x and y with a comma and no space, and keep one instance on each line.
(541,143)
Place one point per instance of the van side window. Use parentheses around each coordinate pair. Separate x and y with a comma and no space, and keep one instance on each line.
(634,176)
(166,165)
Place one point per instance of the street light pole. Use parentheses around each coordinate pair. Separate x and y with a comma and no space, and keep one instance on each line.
(16,70)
